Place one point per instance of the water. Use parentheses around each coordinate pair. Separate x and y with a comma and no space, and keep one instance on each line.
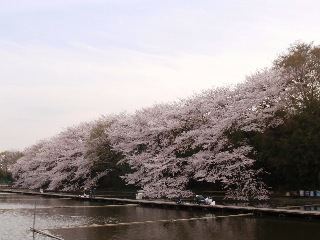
(82,220)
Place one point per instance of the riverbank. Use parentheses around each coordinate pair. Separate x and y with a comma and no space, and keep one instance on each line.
(236,208)
(277,200)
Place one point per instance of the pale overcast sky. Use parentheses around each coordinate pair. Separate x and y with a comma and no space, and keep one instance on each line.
(63,62)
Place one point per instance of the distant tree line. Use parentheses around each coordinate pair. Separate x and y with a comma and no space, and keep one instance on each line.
(244,139)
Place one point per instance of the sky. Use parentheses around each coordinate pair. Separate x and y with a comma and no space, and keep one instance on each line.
(63,62)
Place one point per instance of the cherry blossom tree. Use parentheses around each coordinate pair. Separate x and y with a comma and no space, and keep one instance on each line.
(147,141)
(26,170)
(58,163)
(169,144)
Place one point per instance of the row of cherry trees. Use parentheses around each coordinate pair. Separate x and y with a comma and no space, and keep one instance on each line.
(166,145)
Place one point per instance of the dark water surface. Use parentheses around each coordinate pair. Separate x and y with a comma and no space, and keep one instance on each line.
(80,220)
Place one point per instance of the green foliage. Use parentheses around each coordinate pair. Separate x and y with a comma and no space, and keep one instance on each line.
(105,158)
(7,158)
(291,152)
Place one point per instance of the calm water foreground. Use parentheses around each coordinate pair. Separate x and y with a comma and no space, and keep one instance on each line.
(80,220)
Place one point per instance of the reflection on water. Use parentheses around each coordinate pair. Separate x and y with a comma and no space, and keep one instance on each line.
(220,229)
(207,229)
(204,229)
(15,224)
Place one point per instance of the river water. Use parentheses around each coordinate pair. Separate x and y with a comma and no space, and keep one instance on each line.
(84,220)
